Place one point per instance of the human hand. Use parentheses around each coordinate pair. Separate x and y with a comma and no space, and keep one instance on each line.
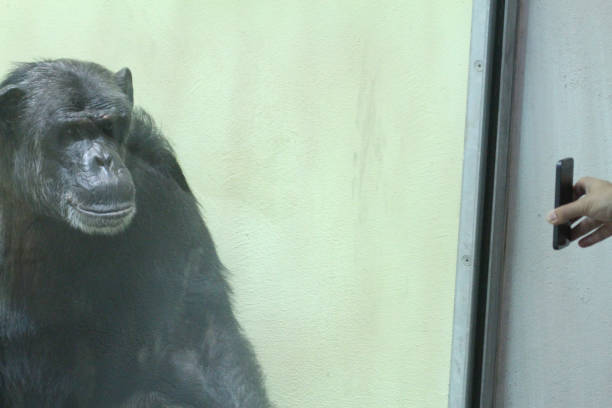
(593,200)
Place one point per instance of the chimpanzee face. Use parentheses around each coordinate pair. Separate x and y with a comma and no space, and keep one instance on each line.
(66,144)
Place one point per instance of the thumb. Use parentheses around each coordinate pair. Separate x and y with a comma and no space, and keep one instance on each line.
(568,212)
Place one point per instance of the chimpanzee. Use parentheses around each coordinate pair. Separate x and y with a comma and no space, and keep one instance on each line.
(111,291)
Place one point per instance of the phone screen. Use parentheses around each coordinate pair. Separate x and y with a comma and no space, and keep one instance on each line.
(564,193)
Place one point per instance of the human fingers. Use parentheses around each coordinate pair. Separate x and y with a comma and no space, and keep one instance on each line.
(567,212)
(585,185)
(585,226)
(599,235)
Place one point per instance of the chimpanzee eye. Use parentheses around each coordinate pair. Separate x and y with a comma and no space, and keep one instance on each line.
(70,132)
(107,128)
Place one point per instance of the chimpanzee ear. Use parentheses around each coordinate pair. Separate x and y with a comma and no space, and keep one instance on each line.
(124,80)
(10,95)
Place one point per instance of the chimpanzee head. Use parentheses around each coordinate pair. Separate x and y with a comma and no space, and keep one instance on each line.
(63,127)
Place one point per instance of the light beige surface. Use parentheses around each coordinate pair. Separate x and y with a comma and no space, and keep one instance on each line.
(324,141)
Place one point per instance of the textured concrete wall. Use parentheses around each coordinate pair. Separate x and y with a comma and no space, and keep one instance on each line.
(555,322)
(324,141)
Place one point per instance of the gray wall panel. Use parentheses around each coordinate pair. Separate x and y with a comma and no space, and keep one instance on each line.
(555,347)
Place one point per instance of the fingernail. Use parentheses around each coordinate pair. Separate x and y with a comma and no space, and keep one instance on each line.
(552,217)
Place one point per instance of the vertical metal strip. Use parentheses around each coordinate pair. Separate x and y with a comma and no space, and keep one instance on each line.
(484,206)
(470,221)
(499,206)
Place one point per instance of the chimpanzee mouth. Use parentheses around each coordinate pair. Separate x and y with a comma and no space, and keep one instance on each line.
(101,219)
(111,212)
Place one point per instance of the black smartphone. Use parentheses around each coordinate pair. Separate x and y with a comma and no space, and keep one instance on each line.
(564,193)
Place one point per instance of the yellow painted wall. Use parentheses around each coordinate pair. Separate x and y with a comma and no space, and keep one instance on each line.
(324,140)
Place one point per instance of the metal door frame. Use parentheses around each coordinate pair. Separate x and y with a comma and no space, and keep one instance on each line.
(482,224)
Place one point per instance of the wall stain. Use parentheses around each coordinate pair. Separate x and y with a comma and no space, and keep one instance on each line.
(368,154)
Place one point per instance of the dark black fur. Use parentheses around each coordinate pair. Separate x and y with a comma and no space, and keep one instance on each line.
(136,318)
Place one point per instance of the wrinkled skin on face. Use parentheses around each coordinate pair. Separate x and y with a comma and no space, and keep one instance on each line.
(71,164)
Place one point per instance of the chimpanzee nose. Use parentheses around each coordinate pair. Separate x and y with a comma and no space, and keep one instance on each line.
(103,159)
